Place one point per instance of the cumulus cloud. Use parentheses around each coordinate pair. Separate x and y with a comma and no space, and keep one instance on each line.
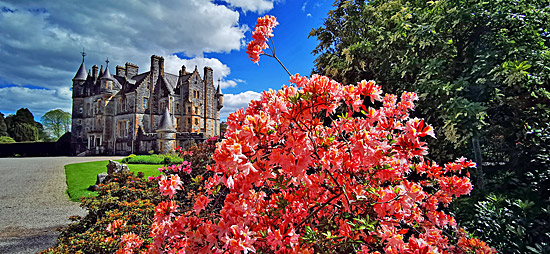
(41,40)
(258,6)
(173,63)
(39,101)
(233,102)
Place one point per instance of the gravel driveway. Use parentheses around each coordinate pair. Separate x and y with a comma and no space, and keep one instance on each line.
(34,202)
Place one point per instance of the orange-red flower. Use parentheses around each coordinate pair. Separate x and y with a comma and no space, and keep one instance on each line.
(262,32)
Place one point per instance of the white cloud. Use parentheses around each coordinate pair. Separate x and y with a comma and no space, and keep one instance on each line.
(233,102)
(172,64)
(258,6)
(45,43)
(304,6)
(39,101)
(40,41)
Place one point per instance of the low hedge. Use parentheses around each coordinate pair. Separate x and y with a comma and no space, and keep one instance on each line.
(152,159)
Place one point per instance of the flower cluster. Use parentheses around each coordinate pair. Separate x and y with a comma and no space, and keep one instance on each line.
(185,166)
(262,32)
(168,185)
(297,184)
(300,179)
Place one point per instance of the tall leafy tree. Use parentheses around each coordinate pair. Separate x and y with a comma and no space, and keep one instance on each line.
(57,122)
(476,63)
(22,127)
(480,67)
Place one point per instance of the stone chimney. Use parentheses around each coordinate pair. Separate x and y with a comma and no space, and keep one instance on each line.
(157,66)
(208,79)
(161,66)
(120,71)
(94,71)
(131,70)
(183,71)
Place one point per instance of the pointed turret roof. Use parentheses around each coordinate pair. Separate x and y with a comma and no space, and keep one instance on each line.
(218,90)
(107,74)
(81,74)
(166,124)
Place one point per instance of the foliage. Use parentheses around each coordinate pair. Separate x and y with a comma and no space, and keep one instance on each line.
(480,67)
(6,140)
(297,185)
(126,205)
(166,159)
(511,225)
(22,127)
(123,210)
(80,176)
(57,122)
(481,70)
(3,126)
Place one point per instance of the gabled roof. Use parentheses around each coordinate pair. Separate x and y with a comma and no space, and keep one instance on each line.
(166,124)
(136,81)
(170,81)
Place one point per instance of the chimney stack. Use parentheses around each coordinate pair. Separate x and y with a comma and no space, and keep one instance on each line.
(94,71)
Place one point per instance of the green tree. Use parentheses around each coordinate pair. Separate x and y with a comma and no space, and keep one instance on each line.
(3,126)
(57,122)
(474,63)
(481,70)
(22,127)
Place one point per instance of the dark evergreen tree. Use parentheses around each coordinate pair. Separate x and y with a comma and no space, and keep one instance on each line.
(3,126)
(481,70)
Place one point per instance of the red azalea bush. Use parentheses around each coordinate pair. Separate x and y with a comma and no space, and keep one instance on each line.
(126,205)
(120,217)
(300,180)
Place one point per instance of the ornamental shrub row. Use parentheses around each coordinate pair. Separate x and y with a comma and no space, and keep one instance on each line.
(168,159)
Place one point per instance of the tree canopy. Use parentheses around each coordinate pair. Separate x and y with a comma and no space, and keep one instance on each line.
(475,64)
(3,126)
(57,122)
(22,127)
(481,69)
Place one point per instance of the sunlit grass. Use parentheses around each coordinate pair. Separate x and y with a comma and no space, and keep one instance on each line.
(81,175)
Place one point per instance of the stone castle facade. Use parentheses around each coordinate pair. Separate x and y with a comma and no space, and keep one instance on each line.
(132,112)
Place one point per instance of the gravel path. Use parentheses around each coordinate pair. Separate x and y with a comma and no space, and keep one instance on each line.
(34,202)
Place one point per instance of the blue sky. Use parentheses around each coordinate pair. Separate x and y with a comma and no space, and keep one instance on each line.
(41,41)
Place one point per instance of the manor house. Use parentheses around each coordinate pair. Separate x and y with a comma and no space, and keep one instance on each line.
(132,112)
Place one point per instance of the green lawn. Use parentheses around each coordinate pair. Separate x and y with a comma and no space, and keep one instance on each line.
(81,175)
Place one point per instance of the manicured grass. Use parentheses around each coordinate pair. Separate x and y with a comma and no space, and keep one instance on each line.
(81,175)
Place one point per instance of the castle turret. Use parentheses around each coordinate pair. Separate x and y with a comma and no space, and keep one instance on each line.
(79,82)
(219,96)
(79,78)
(81,74)
(166,139)
(107,81)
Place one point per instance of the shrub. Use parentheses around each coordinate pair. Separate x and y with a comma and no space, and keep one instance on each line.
(125,207)
(125,159)
(300,180)
(129,199)
(153,159)
(6,140)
